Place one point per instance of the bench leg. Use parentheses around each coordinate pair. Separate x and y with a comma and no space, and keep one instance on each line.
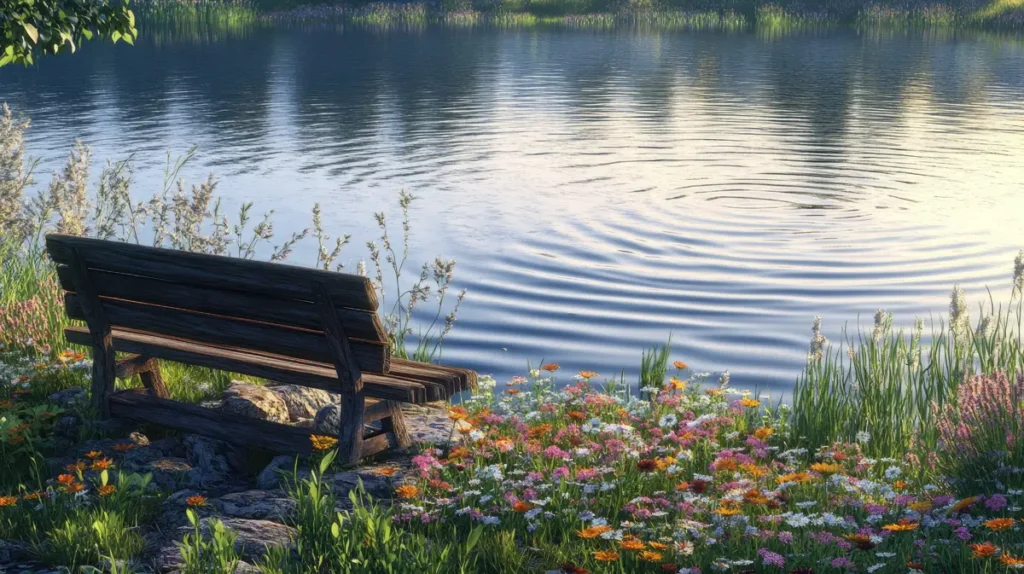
(350,435)
(394,423)
(102,376)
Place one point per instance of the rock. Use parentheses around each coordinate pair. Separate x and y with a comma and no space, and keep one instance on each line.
(272,505)
(328,419)
(304,402)
(280,467)
(69,398)
(139,439)
(376,485)
(168,473)
(12,551)
(213,461)
(254,536)
(67,427)
(254,401)
(428,423)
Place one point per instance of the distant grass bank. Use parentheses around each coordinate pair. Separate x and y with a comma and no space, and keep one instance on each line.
(212,17)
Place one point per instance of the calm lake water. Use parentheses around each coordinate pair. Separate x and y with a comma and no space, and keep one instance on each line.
(598,189)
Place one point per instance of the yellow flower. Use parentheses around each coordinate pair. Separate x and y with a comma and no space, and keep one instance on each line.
(923,506)
(750,403)
(93,454)
(797,477)
(901,526)
(606,556)
(658,545)
(677,384)
(763,433)
(8,500)
(587,375)
(407,491)
(323,442)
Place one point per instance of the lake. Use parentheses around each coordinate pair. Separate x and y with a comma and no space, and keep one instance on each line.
(599,190)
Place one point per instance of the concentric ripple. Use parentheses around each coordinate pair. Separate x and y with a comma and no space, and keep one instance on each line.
(599,190)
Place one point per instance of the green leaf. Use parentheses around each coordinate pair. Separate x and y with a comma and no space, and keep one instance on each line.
(128,38)
(87,33)
(115,36)
(31,31)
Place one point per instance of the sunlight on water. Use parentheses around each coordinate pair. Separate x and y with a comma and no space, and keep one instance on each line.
(599,190)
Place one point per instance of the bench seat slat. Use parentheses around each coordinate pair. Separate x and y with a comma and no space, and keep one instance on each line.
(265,365)
(370,356)
(358,324)
(270,279)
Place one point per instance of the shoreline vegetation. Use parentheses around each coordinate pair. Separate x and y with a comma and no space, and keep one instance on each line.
(898,453)
(726,15)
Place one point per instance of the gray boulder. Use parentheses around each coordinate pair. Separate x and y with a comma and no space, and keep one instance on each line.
(304,402)
(254,401)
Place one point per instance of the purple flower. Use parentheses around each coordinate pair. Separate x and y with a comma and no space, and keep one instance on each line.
(996,502)
(842,562)
(962,533)
(786,537)
(771,558)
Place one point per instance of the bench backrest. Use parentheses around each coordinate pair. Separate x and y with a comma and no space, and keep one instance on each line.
(251,305)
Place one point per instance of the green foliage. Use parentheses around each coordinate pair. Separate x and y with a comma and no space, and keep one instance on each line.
(29,28)
(887,383)
(654,365)
(89,535)
(201,556)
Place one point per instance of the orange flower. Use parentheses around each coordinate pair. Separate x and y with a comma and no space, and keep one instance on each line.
(65,479)
(797,477)
(550,367)
(677,384)
(964,504)
(387,471)
(727,511)
(102,464)
(33,495)
(826,468)
(649,556)
(458,414)
(679,365)
(606,556)
(124,447)
(74,487)
(322,442)
(763,433)
(75,467)
(714,392)
(196,500)
(632,544)
(903,525)
(512,392)
(107,489)
(577,415)
(983,550)
(658,545)
(862,541)
(1008,560)
(504,445)
(997,524)
(93,454)
(755,497)
(521,506)
(683,486)
(727,464)
(588,375)
(754,470)
(8,500)
(407,491)
(750,403)
(539,431)
(593,532)
(899,485)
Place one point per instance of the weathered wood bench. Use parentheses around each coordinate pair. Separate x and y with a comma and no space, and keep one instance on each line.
(280,322)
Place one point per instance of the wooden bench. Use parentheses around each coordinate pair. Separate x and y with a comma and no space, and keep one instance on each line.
(280,322)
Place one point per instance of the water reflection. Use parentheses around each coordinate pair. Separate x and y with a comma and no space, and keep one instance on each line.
(599,189)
